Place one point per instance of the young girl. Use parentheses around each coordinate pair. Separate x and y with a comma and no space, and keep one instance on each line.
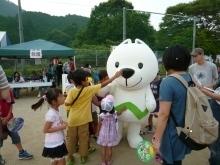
(108,136)
(54,146)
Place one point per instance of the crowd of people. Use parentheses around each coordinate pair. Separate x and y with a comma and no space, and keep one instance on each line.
(81,94)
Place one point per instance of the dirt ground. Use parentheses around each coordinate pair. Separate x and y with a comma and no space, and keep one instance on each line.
(33,137)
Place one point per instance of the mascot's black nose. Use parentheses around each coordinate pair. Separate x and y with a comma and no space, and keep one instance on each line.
(127,72)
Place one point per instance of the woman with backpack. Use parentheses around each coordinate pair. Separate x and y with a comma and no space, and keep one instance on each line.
(172,99)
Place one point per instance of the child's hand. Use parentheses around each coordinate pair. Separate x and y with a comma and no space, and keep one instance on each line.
(156,143)
(121,111)
(4,120)
(118,74)
(64,125)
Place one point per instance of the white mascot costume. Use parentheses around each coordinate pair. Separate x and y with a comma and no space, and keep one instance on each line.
(132,90)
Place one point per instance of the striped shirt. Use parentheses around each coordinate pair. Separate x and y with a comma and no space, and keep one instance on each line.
(3,79)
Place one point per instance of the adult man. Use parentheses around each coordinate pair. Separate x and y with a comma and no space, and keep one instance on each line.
(204,72)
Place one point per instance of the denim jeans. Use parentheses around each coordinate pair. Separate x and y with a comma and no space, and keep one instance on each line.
(16,92)
(215,147)
(15,138)
(174,163)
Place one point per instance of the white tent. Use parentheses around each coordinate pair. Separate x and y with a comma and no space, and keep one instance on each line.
(3,39)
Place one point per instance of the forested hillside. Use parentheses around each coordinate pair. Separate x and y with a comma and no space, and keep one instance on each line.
(39,25)
(7,8)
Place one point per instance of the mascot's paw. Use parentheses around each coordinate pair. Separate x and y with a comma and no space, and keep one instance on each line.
(151,106)
(134,140)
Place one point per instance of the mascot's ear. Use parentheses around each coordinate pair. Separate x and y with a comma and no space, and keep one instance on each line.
(138,41)
(127,41)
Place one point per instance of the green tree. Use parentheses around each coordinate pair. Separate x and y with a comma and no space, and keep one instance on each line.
(105,25)
(10,25)
(175,30)
(58,36)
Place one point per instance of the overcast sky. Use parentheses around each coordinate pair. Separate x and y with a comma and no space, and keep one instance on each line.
(83,7)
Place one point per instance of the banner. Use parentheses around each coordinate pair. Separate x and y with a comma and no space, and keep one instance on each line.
(35,53)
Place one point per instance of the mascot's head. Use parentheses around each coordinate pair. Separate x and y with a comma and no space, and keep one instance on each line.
(138,62)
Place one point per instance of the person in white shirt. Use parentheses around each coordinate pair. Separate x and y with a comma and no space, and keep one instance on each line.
(54,144)
(17,78)
(204,72)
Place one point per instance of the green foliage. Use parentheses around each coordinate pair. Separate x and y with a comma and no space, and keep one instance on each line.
(105,25)
(95,55)
(59,37)
(8,24)
(27,72)
(179,30)
(39,25)
(7,8)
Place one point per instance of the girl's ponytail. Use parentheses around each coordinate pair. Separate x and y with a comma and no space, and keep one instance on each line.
(50,95)
(39,103)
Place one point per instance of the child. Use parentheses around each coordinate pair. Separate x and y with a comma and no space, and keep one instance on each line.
(107,137)
(155,87)
(54,145)
(67,89)
(80,113)
(6,115)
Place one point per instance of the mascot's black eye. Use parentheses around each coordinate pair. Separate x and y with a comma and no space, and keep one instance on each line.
(116,64)
(140,65)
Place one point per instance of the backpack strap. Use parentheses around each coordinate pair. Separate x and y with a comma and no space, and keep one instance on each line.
(185,84)
(77,96)
(181,79)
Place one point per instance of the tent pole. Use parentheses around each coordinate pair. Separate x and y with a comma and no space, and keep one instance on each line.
(74,59)
(21,34)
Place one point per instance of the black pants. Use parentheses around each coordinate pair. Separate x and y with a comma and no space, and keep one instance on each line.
(174,163)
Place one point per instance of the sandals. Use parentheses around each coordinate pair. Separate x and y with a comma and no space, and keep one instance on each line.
(83,159)
(109,162)
(91,149)
(2,161)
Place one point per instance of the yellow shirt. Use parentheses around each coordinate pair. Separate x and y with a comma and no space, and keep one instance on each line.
(67,89)
(80,111)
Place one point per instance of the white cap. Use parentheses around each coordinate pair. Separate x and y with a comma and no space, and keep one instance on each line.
(107,103)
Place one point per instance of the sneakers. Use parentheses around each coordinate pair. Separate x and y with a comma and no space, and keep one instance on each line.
(83,159)
(2,161)
(91,149)
(158,158)
(150,129)
(70,162)
(142,133)
(24,155)
(109,162)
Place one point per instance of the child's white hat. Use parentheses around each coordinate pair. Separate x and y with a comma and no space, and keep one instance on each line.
(107,103)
